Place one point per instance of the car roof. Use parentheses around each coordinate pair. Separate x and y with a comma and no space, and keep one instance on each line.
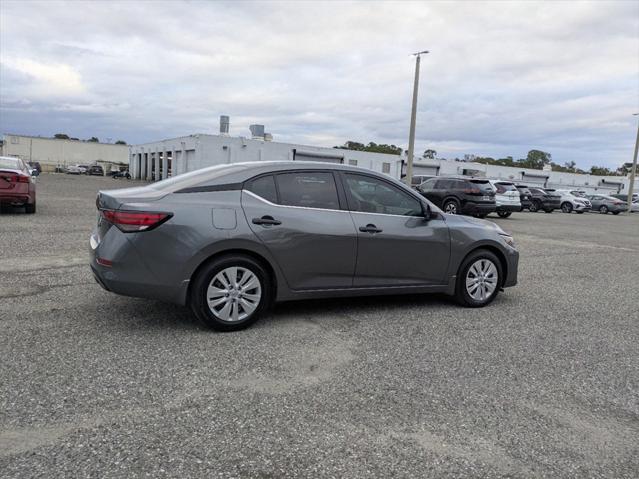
(234,173)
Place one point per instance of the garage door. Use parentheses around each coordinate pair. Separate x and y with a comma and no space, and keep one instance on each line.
(304,155)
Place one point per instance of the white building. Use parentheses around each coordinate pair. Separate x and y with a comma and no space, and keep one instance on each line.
(158,160)
(161,159)
(51,152)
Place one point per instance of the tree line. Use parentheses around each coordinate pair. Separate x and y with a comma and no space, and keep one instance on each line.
(535,159)
(93,139)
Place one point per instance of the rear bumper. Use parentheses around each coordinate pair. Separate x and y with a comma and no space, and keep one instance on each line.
(15,198)
(511,208)
(471,208)
(128,275)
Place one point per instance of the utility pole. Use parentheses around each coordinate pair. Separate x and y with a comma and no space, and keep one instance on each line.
(633,170)
(413,117)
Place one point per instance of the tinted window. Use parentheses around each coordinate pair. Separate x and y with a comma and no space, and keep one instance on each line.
(503,187)
(427,185)
(370,195)
(310,190)
(445,184)
(264,187)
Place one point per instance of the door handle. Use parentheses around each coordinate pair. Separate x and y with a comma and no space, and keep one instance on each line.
(266,221)
(370,228)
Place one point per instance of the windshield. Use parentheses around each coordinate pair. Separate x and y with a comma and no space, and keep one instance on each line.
(14,164)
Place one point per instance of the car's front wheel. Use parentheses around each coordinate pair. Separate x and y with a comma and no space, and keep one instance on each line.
(229,293)
(566,207)
(479,279)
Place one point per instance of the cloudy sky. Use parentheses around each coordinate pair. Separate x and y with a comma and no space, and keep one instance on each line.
(502,78)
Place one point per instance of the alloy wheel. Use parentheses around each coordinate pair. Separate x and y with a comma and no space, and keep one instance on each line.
(234,294)
(482,279)
(451,208)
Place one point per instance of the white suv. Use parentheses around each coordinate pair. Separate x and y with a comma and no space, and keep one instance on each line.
(571,202)
(507,198)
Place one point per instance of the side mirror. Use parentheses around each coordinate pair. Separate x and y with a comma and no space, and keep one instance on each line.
(426,211)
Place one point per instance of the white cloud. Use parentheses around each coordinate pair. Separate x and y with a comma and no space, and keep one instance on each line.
(501,78)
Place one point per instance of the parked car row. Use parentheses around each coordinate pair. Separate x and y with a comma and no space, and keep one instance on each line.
(95,170)
(480,197)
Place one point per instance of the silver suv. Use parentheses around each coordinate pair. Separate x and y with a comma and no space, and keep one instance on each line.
(229,240)
(571,202)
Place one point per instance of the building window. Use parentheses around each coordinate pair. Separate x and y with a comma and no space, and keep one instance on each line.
(352,162)
(15,140)
(385,167)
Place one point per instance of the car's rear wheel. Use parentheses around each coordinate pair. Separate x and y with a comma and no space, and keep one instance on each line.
(603,209)
(504,214)
(479,279)
(566,207)
(30,208)
(534,206)
(229,293)
(451,207)
(615,212)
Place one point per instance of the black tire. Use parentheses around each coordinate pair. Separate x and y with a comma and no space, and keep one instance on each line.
(461,294)
(504,214)
(566,207)
(481,215)
(30,208)
(534,206)
(452,207)
(198,300)
(580,212)
(616,212)
(603,209)
(548,210)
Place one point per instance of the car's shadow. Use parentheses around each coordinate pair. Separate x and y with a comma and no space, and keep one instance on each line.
(136,314)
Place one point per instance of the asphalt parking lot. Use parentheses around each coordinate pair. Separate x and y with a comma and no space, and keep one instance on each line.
(543,382)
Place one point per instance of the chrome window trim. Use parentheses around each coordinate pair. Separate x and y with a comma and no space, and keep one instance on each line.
(322,209)
(291,206)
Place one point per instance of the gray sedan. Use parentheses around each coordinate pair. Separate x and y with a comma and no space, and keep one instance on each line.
(229,240)
(607,204)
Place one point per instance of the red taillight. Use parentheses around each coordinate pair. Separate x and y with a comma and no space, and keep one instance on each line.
(618,202)
(16,178)
(23,179)
(132,221)
(472,191)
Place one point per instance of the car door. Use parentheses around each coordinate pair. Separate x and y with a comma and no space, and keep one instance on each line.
(396,245)
(299,218)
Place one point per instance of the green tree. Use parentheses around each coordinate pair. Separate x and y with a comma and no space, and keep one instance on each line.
(536,159)
(120,142)
(61,136)
(94,139)
(601,171)
(372,147)
(429,154)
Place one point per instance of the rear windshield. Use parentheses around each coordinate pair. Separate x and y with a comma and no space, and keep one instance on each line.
(195,178)
(14,164)
(483,185)
(505,187)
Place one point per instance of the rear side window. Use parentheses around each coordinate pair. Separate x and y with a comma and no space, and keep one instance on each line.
(445,185)
(308,190)
(264,187)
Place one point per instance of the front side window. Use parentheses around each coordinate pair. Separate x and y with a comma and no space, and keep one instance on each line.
(371,195)
(308,190)
(264,187)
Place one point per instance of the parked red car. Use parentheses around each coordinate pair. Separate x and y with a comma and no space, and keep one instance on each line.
(17,186)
